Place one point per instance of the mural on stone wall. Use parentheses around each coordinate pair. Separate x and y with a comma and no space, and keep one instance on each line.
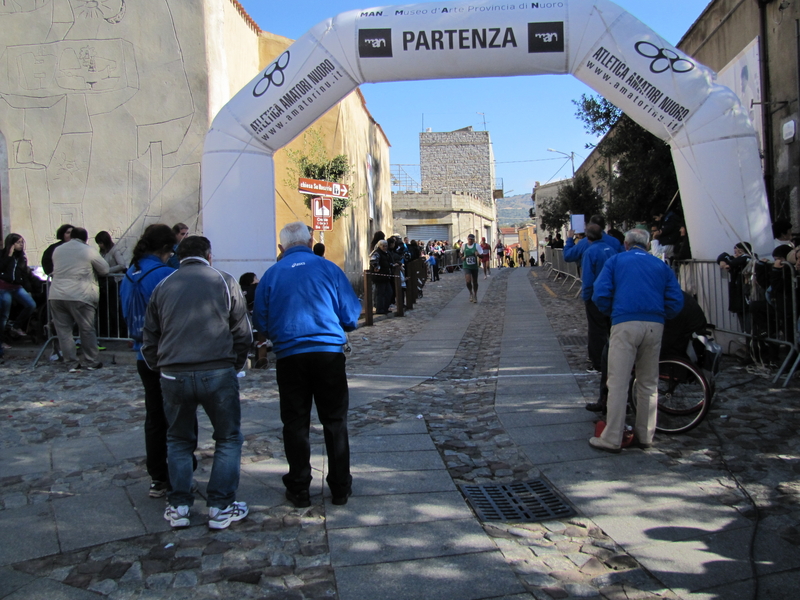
(97,111)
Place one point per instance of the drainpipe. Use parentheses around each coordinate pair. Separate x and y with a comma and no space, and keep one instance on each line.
(766,96)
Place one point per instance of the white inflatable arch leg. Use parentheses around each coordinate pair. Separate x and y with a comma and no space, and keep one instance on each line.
(662,89)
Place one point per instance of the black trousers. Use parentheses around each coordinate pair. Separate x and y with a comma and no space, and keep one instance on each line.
(321,376)
(156,425)
(598,329)
(383,294)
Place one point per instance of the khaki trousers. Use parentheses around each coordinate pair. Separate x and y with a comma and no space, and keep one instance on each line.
(66,314)
(633,343)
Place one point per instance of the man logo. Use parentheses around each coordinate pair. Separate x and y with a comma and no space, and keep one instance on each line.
(546,37)
(663,59)
(375,43)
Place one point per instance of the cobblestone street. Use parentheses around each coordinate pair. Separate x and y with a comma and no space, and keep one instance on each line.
(281,552)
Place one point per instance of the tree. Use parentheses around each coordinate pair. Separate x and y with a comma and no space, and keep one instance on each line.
(577,197)
(312,163)
(642,179)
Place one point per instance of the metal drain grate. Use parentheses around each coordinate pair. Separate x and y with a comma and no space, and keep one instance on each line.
(573,340)
(526,501)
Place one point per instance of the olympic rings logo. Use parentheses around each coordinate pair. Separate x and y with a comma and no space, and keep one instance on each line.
(663,59)
(272,76)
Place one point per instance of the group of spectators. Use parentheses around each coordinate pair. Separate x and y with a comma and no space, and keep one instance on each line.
(193,332)
(760,292)
(388,253)
(636,311)
(79,289)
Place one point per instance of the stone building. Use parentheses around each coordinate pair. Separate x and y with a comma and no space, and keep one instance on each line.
(458,188)
(460,160)
(509,236)
(543,195)
(754,48)
(104,107)
(448,216)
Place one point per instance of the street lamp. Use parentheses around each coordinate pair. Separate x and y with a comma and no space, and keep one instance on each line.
(571,156)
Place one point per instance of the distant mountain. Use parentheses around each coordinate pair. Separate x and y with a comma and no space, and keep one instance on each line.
(513,210)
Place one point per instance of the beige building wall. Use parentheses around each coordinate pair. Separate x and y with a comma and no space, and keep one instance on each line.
(103,110)
(232,42)
(529,242)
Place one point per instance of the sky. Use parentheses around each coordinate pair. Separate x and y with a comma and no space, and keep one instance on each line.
(524,115)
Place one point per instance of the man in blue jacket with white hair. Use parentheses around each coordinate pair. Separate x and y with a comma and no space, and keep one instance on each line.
(304,304)
(638,291)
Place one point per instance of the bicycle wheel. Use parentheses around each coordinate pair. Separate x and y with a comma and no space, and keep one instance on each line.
(684,396)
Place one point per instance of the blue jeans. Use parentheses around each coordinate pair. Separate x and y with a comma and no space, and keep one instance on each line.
(24,298)
(217,391)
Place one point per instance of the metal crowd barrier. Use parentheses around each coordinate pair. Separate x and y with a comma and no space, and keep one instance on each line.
(548,258)
(561,267)
(557,257)
(573,271)
(449,261)
(762,321)
(109,324)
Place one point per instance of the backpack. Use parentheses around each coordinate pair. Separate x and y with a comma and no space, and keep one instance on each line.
(136,306)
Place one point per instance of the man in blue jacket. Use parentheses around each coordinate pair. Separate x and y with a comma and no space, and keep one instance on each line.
(598,324)
(304,304)
(638,291)
(574,252)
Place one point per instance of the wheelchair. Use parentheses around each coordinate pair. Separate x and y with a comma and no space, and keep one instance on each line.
(686,384)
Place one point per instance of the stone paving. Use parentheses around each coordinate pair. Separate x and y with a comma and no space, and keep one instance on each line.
(750,433)
(282,552)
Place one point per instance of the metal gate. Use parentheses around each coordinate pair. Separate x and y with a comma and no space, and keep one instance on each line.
(428,232)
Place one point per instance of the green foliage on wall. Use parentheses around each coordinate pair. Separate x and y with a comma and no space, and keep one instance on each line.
(312,162)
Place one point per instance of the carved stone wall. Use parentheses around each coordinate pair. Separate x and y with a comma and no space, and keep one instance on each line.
(104,106)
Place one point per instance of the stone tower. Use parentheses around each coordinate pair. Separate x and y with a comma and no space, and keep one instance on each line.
(458,161)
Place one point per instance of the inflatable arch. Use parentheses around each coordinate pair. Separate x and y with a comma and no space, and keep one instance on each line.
(713,143)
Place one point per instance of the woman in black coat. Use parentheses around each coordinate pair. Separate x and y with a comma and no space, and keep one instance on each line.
(381,265)
(14,284)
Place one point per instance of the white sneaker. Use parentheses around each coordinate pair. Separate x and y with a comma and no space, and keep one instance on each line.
(220,518)
(178,516)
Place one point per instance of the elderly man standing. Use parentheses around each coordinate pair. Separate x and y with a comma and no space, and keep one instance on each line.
(638,291)
(74,294)
(197,334)
(305,304)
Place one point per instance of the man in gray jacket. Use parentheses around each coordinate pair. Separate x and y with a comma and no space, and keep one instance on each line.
(197,334)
